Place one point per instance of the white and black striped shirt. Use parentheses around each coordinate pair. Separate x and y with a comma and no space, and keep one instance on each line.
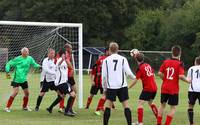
(61,72)
(115,69)
(194,75)
(48,70)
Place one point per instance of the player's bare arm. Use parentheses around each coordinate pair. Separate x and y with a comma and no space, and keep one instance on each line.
(183,78)
(161,75)
(132,83)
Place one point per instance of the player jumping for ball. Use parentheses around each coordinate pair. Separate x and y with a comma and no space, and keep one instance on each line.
(146,73)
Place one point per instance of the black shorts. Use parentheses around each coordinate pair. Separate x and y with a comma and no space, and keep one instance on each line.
(94,90)
(23,85)
(64,88)
(45,86)
(192,97)
(147,96)
(121,93)
(71,81)
(170,99)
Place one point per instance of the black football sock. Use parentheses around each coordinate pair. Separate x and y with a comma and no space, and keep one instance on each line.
(127,113)
(106,116)
(56,101)
(39,100)
(69,103)
(190,115)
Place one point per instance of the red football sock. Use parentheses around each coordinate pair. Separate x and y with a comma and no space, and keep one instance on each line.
(159,120)
(100,105)
(168,120)
(62,103)
(25,101)
(140,115)
(72,102)
(89,102)
(154,109)
(10,101)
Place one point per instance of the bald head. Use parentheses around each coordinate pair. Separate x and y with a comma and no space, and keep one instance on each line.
(25,52)
(113,47)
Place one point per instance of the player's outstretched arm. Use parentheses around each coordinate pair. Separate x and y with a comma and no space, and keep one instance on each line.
(133,83)
(34,64)
(183,78)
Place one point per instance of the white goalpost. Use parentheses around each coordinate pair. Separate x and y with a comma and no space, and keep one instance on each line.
(38,37)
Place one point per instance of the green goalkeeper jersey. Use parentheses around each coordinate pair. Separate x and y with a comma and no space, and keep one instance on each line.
(21,67)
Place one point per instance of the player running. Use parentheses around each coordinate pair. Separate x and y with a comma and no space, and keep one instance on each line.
(21,65)
(115,68)
(146,73)
(170,72)
(194,89)
(96,81)
(48,77)
(62,84)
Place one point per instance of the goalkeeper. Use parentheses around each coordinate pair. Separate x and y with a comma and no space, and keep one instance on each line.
(21,66)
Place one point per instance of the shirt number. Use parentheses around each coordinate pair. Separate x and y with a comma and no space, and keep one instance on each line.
(115,64)
(148,71)
(198,73)
(170,73)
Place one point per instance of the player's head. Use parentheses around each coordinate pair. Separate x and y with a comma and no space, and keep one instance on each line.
(139,57)
(25,52)
(106,51)
(68,47)
(113,47)
(51,53)
(197,60)
(176,52)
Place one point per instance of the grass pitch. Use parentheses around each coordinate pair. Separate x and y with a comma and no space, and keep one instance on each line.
(84,117)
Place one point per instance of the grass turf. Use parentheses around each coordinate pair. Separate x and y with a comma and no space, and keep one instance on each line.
(84,117)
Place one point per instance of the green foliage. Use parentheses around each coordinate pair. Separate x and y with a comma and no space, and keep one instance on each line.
(142,24)
(144,33)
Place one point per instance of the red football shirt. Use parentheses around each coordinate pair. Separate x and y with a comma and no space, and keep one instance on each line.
(70,71)
(96,71)
(171,69)
(146,74)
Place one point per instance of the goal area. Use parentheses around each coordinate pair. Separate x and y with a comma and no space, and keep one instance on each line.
(39,37)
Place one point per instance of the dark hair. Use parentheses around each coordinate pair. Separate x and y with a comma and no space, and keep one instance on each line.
(62,51)
(176,50)
(140,57)
(197,60)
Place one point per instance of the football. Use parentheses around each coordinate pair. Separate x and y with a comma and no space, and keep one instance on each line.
(134,52)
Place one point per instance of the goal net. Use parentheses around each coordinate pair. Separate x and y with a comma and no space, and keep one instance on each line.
(39,37)
(154,58)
